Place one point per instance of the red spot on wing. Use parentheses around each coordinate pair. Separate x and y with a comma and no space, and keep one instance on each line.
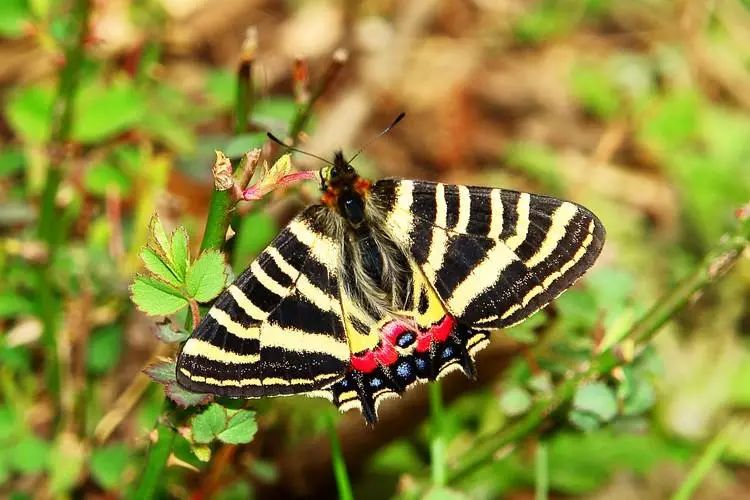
(386,353)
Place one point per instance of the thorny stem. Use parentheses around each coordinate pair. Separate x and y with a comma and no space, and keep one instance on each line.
(304,112)
(49,226)
(716,264)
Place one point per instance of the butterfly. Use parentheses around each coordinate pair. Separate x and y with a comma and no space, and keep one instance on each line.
(384,285)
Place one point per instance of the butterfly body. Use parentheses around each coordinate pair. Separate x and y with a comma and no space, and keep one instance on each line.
(385,285)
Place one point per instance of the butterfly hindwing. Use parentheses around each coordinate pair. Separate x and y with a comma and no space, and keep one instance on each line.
(278,328)
(493,256)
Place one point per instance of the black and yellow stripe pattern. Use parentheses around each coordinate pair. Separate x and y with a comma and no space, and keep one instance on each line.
(493,256)
(384,287)
(278,328)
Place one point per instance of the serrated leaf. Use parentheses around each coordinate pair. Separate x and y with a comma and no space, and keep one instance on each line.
(166,333)
(184,398)
(241,427)
(206,276)
(155,297)
(180,253)
(207,425)
(228,426)
(159,241)
(597,399)
(156,265)
(164,373)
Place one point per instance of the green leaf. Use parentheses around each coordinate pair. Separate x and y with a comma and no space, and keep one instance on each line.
(164,373)
(102,112)
(180,253)
(240,428)
(158,239)
(66,462)
(10,424)
(108,465)
(30,455)
(155,297)
(12,161)
(155,264)
(184,398)
(103,177)
(229,426)
(515,401)
(166,333)
(28,112)
(104,349)
(584,420)
(206,277)
(208,424)
(597,399)
(14,15)
(12,304)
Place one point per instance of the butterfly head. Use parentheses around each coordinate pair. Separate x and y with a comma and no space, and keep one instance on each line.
(343,189)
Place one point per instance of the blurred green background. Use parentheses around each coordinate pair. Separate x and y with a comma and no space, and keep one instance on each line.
(637,109)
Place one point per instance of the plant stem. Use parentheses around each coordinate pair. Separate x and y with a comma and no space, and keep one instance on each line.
(437,437)
(156,460)
(299,122)
(541,471)
(245,91)
(217,222)
(717,262)
(708,458)
(337,459)
(49,227)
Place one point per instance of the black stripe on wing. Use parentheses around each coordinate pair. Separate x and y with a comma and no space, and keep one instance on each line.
(277,329)
(494,256)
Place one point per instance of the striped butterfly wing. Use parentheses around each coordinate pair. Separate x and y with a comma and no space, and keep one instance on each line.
(278,328)
(493,256)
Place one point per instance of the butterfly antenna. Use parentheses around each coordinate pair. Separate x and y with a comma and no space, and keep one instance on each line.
(385,131)
(292,148)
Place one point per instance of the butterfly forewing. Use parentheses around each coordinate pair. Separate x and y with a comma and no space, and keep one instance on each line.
(493,256)
(278,328)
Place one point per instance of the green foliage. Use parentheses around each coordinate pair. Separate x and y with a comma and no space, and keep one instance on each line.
(164,373)
(108,465)
(174,281)
(104,348)
(227,425)
(14,16)
(593,405)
